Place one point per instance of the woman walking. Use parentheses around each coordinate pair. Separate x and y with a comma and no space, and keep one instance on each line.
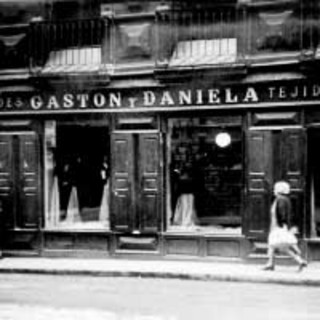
(281,237)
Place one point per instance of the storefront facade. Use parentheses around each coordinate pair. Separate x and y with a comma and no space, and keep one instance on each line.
(167,170)
(162,161)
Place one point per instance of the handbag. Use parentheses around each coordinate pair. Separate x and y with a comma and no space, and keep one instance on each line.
(282,237)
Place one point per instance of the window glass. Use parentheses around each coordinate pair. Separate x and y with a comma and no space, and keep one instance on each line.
(205,176)
(284,29)
(77,176)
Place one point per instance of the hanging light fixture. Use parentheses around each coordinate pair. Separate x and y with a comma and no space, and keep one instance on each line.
(223,139)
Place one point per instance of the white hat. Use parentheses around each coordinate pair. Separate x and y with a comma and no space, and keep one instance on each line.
(281,187)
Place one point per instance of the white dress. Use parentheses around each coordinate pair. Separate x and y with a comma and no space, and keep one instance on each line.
(185,214)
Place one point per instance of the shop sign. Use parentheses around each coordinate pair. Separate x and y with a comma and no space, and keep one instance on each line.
(158,98)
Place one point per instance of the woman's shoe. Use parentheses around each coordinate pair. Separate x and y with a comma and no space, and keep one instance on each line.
(302,265)
(268,267)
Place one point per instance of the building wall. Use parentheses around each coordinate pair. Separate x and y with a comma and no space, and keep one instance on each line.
(153,130)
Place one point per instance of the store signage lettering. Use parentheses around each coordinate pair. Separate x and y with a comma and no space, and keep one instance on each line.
(172,97)
(146,99)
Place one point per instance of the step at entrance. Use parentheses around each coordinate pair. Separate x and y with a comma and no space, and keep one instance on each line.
(137,244)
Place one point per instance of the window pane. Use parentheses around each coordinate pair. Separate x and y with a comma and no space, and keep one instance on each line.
(206,175)
(77,174)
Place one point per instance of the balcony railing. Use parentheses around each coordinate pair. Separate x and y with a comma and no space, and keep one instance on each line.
(61,46)
(171,39)
(239,34)
(202,38)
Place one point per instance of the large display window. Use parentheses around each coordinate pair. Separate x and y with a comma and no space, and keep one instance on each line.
(205,178)
(77,175)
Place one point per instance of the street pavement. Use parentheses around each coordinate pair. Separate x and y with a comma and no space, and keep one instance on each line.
(205,270)
(21,312)
(37,297)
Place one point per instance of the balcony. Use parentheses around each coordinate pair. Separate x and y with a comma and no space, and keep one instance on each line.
(253,33)
(247,34)
(68,46)
(201,38)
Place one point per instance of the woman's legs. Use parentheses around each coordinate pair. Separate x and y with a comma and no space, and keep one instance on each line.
(295,253)
(270,262)
(296,249)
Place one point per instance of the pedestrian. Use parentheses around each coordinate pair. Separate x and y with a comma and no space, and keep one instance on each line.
(282,236)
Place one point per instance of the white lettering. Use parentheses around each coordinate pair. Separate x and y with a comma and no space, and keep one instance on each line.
(36,102)
(149,98)
(185,97)
(9,103)
(214,96)
(53,103)
(166,99)
(68,101)
(99,100)
(199,97)
(251,96)
(316,90)
(282,93)
(295,92)
(18,103)
(230,98)
(83,98)
(132,102)
(115,100)
(271,92)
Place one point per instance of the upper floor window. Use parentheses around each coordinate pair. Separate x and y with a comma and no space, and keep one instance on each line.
(15,17)
(283,27)
(13,47)
(73,9)
(202,37)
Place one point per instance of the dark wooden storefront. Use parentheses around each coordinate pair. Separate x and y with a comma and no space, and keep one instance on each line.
(274,154)
(136,189)
(275,140)
(20,189)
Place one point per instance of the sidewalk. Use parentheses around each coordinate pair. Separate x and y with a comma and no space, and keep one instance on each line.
(192,270)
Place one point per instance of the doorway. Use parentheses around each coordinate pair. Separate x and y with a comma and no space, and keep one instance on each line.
(19,186)
(136,159)
(273,154)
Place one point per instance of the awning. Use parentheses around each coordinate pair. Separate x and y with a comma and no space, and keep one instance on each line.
(84,59)
(204,52)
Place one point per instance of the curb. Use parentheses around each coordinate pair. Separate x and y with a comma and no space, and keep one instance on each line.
(262,279)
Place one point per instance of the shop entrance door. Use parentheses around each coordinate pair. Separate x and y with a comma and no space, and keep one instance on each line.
(275,154)
(136,182)
(19,188)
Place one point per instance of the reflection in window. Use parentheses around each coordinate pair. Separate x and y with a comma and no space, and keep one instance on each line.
(206,176)
(77,176)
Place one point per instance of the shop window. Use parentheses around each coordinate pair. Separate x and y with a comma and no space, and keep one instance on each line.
(205,176)
(77,176)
